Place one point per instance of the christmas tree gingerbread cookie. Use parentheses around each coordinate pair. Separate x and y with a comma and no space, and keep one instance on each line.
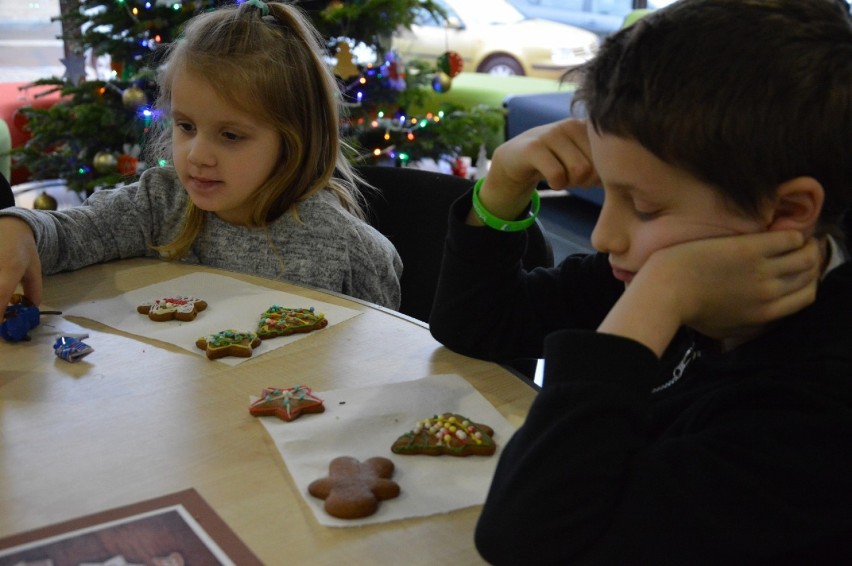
(281,321)
(448,433)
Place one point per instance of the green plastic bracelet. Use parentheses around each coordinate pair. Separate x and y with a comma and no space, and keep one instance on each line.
(498,223)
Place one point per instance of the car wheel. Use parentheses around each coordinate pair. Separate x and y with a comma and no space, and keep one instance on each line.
(502,65)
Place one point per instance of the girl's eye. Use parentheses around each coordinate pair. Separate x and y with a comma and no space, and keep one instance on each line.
(231,136)
(184,126)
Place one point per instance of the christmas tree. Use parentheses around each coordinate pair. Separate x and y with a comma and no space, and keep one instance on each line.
(94,137)
(379,95)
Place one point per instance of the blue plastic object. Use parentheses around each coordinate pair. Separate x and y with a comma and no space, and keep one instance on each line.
(20,318)
(71,349)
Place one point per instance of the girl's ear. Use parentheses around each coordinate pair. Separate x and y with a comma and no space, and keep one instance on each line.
(797,205)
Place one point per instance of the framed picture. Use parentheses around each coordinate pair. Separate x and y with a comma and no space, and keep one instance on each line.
(173,530)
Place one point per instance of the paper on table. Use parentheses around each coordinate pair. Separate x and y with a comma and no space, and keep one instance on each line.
(365,422)
(231,303)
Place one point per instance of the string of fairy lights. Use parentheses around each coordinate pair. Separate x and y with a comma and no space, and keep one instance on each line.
(396,124)
(393,124)
(377,121)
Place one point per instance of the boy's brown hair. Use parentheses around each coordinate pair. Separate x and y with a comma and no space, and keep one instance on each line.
(742,94)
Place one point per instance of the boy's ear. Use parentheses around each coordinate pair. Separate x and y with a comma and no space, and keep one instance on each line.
(797,205)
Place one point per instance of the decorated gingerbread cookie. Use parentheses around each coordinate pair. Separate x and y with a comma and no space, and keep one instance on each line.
(229,343)
(281,321)
(353,489)
(286,404)
(449,434)
(172,308)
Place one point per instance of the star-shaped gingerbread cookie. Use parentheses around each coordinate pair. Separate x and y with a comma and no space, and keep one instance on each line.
(229,343)
(353,489)
(286,404)
(172,308)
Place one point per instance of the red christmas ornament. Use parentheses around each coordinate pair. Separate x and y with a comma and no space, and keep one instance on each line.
(459,167)
(127,165)
(451,63)
(19,120)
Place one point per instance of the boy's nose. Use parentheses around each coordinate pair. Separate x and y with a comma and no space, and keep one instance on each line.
(610,232)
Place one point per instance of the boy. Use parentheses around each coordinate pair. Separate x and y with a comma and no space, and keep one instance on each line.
(697,398)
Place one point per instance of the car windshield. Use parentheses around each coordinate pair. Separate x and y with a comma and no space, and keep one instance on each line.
(612,8)
(486,12)
(657,4)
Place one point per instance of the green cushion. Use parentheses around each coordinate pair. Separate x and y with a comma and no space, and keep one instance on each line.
(469,89)
(5,148)
(634,16)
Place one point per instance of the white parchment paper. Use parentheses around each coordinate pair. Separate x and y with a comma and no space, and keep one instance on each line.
(365,422)
(231,303)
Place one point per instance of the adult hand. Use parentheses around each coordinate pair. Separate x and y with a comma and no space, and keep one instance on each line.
(19,261)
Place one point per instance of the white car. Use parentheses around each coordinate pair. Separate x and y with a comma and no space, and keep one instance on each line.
(600,16)
(493,37)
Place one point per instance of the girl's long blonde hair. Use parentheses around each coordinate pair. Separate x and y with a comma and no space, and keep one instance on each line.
(272,66)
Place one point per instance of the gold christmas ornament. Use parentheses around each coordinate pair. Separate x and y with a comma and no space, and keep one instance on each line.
(105,162)
(442,82)
(332,7)
(133,97)
(44,202)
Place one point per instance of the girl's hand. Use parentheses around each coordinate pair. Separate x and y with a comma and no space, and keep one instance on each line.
(557,153)
(726,288)
(19,261)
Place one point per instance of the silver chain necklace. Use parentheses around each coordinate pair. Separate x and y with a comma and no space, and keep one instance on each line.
(689,356)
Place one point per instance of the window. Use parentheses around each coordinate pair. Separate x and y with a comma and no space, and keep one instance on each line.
(618,8)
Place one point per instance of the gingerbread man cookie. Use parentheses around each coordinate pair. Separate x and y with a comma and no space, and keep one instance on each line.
(353,489)
(286,404)
(229,343)
(172,308)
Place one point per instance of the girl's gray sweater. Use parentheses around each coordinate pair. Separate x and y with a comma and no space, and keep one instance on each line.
(328,249)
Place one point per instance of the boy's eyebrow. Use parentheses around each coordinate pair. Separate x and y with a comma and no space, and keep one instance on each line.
(634,191)
(622,186)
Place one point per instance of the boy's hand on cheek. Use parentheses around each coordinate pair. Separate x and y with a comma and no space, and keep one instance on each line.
(725,288)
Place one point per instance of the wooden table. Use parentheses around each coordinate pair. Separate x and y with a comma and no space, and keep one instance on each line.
(140,419)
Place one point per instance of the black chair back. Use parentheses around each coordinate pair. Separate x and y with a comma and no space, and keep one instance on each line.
(411,208)
(7,197)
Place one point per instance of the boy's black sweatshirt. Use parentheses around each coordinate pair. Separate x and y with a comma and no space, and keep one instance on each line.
(746,459)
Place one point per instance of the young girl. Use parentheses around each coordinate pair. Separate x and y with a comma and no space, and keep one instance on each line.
(258,182)
(697,398)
